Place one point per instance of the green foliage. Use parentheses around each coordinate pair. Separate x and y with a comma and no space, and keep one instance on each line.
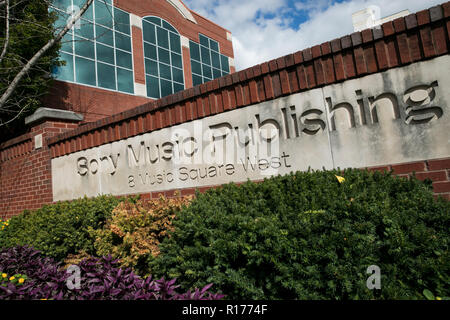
(135,230)
(312,235)
(59,229)
(31,27)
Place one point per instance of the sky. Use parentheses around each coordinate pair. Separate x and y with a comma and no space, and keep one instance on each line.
(266,29)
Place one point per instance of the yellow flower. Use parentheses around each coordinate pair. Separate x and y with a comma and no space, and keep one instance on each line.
(4,275)
(438,298)
(21,280)
(12,278)
(340,179)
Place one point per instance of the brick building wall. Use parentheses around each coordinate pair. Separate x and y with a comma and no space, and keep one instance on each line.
(418,37)
(96,103)
(25,171)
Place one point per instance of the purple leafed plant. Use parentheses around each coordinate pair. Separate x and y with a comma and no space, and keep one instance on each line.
(100,279)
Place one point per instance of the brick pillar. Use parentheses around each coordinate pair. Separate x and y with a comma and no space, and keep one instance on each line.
(140,88)
(25,162)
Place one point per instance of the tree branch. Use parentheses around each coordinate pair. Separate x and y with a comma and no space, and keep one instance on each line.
(40,53)
(5,45)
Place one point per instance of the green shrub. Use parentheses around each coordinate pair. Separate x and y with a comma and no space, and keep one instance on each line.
(59,229)
(135,230)
(310,236)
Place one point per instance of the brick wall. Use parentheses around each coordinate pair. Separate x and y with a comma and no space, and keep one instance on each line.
(417,37)
(25,172)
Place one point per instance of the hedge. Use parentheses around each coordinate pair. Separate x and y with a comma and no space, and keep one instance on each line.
(313,235)
(59,229)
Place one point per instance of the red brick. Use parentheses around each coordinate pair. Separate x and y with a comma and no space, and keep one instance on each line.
(409,167)
(289,60)
(423,17)
(310,75)
(273,65)
(187,192)
(316,51)
(281,63)
(268,87)
(367,35)
(433,175)
(265,68)
(445,196)
(254,98)
(436,13)
(411,21)
(307,54)
(226,100)
(301,77)
(319,72)
(261,92)
(276,85)
(239,96)
(346,42)
(441,186)
(293,81)
(392,53)
(298,57)
(356,38)
(369,57)
(336,45)
(388,28)
(339,66)
(246,93)
(427,42)
(285,88)
(402,42)
(439,39)
(399,25)
(361,67)
(439,164)
(381,54)
(414,47)
(349,65)
(232,96)
(381,169)
(446,8)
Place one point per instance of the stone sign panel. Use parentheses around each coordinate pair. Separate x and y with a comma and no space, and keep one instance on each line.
(396,116)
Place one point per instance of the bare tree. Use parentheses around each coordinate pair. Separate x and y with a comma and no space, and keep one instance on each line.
(25,67)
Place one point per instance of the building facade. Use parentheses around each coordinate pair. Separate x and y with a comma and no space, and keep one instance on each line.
(376,99)
(124,53)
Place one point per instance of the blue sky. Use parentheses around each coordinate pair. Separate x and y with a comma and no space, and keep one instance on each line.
(266,29)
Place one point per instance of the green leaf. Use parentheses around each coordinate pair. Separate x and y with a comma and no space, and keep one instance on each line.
(427,293)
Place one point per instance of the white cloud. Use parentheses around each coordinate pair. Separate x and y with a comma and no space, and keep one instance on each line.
(262,29)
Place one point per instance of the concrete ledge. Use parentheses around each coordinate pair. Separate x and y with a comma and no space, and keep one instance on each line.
(47,113)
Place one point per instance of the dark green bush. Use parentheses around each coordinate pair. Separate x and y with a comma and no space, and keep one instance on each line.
(59,229)
(308,236)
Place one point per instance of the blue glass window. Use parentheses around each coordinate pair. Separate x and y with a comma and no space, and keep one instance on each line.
(85,71)
(163,58)
(207,62)
(98,48)
(65,72)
